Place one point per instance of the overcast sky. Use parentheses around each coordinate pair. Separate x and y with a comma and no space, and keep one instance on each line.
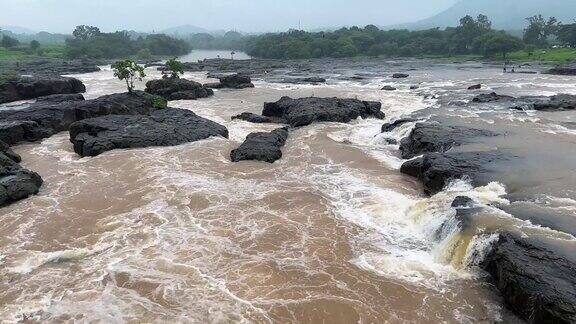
(243,15)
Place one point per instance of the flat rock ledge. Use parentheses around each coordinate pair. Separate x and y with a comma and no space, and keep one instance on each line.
(16,183)
(165,127)
(536,283)
(33,87)
(265,147)
(434,137)
(178,89)
(234,81)
(51,115)
(558,102)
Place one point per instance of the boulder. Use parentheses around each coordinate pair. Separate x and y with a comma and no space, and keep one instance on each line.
(388,127)
(265,147)
(7,152)
(30,88)
(16,183)
(234,81)
(475,87)
(553,103)
(45,118)
(164,127)
(305,111)
(178,89)
(436,170)
(434,137)
(462,202)
(414,87)
(389,88)
(400,75)
(536,283)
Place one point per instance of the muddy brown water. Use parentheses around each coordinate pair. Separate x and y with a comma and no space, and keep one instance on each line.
(331,233)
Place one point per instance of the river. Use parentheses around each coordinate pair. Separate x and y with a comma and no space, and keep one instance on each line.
(332,232)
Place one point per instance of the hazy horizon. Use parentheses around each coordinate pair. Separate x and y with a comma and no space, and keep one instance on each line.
(61,16)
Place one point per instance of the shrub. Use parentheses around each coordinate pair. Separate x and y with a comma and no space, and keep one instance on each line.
(160,103)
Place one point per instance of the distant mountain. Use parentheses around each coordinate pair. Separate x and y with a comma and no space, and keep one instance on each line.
(505,14)
(185,30)
(18,30)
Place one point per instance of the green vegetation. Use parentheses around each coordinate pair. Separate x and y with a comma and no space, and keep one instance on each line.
(128,71)
(160,103)
(175,67)
(558,55)
(90,42)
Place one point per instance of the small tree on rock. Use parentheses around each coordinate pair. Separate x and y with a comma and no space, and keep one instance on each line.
(175,67)
(128,71)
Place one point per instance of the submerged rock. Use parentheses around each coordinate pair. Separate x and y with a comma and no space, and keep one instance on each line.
(433,137)
(306,80)
(30,88)
(462,202)
(388,127)
(305,111)
(389,88)
(475,87)
(436,170)
(265,147)
(178,89)
(165,127)
(45,118)
(537,284)
(234,81)
(553,103)
(257,119)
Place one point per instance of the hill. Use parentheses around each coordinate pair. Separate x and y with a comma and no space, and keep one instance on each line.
(505,14)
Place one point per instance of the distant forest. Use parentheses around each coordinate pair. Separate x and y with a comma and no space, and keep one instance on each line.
(472,36)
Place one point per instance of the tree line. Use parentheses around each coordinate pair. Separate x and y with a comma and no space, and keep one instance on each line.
(472,36)
(90,42)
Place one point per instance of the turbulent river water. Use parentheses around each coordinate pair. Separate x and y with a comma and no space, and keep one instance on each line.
(331,233)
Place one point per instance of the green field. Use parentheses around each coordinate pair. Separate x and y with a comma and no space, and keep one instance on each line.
(24,53)
(556,55)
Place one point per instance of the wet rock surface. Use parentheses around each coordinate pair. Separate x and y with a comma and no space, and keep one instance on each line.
(434,137)
(265,147)
(388,127)
(491,97)
(536,283)
(165,127)
(16,183)
(31,88)
(400,75)
(305,111)
(257,119)
(569,69)
(178,89)
(234,81)
(45,118)
(389,88)
(436,170)
(53,67)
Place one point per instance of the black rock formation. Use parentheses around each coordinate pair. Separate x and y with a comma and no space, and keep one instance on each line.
(305,111)
(178,89)
(388,127)
(165,127)
(536,283)
(433,137)
(234,81)
(265,147)
(30,88)
(400,75)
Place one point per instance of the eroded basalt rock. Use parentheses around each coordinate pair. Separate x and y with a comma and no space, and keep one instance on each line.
(305,111)
(31,88)
(389,88)
(491,97)
(536,283)
(265,147)
(388,127)
(178,89)
(165,127)
(437,170)
(257,119)
(400,75)
(45,118)
(16,183)
(434,137)
(234,81)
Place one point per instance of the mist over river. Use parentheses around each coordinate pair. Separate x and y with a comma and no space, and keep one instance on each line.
(331,233)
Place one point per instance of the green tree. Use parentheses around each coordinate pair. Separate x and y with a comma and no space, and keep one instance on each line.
(175,67)
(9,42)
(84,32)
(500,43)
(34,45)
(539,29)
(128,71)
(144,54)
(567,34)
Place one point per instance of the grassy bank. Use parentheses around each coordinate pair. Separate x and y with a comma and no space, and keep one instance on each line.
(24,53)
(555,55)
